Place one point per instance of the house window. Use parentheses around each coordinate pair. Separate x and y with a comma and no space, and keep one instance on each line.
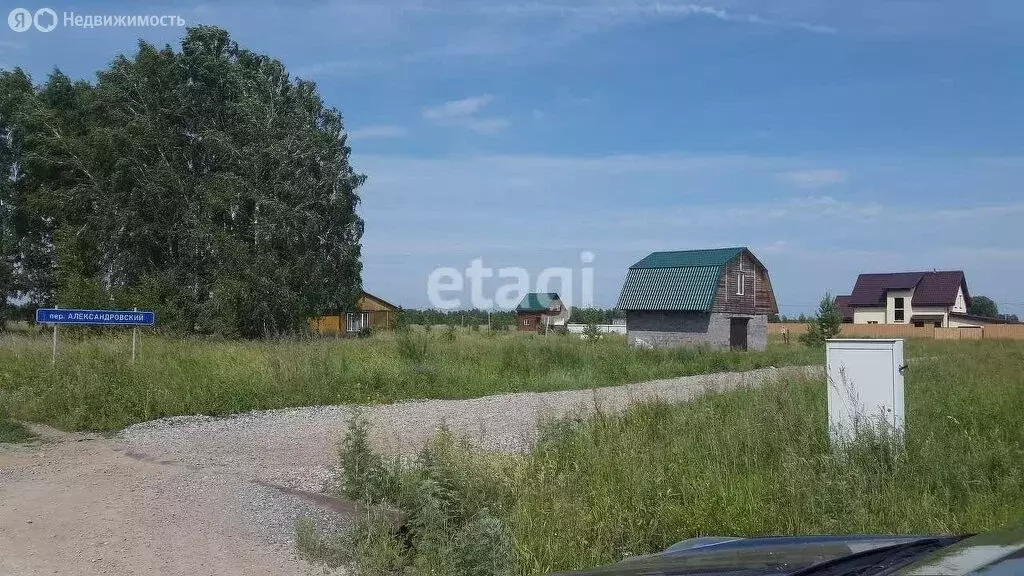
(938,324)
(898,310)
(740,284)
(357,321)
(872,321)
(526,321)
(918,324)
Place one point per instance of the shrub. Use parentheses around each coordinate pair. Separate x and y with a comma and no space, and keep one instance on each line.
(591,332)
(363,475)
(413,347)
(451,530)
(826,324)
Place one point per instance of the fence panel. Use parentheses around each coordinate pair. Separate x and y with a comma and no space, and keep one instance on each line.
(992,331)
(887,331)
(972,333)
(795,328)
(1004,331)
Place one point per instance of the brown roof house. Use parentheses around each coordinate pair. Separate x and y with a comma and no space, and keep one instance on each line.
(938,298)
(541,311)
(719,298)
(372,312)
(843,307)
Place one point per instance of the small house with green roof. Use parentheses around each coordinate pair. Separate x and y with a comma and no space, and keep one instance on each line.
(720,298)
(535,307)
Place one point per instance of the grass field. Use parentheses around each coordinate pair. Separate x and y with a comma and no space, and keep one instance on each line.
(94,385)
(750,462)
(11,431)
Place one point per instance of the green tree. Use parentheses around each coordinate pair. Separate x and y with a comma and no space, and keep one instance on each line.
(826,324)
(204,183)
(983,306)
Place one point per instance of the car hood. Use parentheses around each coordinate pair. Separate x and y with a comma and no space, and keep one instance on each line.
(998,553)
(735,556)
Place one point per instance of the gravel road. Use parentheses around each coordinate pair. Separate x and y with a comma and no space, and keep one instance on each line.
(196,495)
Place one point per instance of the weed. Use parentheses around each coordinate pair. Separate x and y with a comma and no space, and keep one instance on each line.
(749,462)
(450,531)
(95,386)
(11,431)
(413,347)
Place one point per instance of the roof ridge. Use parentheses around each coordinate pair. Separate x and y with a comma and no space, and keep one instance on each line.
(699,250)
(912,272)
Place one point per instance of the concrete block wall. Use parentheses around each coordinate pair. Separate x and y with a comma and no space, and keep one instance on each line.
(664,329)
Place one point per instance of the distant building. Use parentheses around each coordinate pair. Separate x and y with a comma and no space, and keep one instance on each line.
(538,306)
(371,312)
(720,297)
(843,307)
(940,299)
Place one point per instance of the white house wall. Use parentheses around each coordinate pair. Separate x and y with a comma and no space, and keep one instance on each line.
(868,315)
(960,304)
(933,311)
(955,323)
(890,305)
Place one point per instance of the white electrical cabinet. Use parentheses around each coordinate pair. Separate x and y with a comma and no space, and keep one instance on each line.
(865,387)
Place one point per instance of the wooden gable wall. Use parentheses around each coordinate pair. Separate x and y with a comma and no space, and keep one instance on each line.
(757,297)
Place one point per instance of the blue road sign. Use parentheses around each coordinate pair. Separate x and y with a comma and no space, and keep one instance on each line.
(95,317)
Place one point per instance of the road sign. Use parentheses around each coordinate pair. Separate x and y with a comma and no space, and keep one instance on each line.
(58,316)
(94,317)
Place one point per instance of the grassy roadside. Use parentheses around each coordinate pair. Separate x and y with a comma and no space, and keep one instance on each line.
(94,386)
(11,431)
(750,462)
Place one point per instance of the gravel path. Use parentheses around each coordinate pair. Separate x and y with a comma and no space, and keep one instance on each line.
(134,502)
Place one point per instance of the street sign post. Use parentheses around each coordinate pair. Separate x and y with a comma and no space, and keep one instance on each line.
(58,316)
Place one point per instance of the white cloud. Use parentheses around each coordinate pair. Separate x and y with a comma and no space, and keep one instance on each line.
(378,131)
(632,10)
(971,254)
(819,178)
(456,109)
(427,212)
(487,126)
(464,113)
(410,32)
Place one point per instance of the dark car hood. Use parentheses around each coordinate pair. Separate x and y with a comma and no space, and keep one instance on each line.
(746,556)
(999,553)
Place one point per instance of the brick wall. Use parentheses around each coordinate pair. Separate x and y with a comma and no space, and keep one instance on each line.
(665,329)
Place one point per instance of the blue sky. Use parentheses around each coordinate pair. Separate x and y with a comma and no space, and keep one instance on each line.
(832,138)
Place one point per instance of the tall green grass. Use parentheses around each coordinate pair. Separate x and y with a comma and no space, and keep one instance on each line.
(11,431)
(95,386)
(749,462)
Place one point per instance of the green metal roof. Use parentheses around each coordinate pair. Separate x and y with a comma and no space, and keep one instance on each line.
(683,258)
(537,302)
(686,280)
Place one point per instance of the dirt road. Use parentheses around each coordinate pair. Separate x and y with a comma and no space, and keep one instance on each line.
(196,495)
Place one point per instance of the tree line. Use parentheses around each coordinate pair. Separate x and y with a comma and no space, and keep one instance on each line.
(499,320)
(204,183)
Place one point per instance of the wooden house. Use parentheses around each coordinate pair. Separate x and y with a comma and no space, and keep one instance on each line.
(371,312)
(719,298)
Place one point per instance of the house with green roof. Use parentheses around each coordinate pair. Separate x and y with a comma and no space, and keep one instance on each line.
(720,298)
(540,310)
